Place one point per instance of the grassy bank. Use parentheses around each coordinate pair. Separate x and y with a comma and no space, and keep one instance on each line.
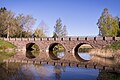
(6,45)
(114,46)
(6,49)
(111,51)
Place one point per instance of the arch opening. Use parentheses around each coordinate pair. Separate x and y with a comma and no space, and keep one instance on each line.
(81,52)
(32,50)
(56,51)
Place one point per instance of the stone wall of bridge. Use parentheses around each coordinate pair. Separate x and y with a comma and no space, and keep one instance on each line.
(69,43)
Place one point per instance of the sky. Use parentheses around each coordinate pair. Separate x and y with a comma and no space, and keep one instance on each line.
(80,16)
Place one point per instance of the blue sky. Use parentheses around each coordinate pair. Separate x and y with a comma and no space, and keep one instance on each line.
(80,16)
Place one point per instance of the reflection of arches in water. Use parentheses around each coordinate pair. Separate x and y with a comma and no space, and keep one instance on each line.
(56,50)
(32,50)
(85,47)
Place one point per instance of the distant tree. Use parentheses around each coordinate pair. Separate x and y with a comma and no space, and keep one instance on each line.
(108,25)
(39,33)
(26,23)
(64,31)
(55,35)
(59,30)
(43,27)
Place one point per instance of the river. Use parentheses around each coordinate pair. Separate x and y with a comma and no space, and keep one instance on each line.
(19,71)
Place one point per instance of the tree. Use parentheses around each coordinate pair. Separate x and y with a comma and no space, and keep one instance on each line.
(59,30)
(44,28)
(26,23)
(2,19)
(39,33)
(15,26)
(64,31)
(108,25)
(7,23)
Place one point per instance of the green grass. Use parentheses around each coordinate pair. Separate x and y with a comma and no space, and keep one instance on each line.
(5,45)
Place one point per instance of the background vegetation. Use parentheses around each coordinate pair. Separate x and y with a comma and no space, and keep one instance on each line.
(108,26)
(13,25)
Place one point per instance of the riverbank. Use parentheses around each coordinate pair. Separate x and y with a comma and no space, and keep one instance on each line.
(110,51)
(7,50)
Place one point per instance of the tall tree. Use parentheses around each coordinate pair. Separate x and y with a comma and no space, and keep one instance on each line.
(64,31)
(108,25)
(59,30)
(8,22)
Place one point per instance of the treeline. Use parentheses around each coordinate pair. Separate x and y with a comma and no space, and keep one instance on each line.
(12,25)
(108,25)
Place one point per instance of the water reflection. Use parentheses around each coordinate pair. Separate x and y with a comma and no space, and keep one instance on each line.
(46,72)
(56,55)
(85,56)
(15,71)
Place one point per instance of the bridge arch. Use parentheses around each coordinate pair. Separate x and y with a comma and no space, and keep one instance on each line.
(76,50)
(32,50)
(52,51)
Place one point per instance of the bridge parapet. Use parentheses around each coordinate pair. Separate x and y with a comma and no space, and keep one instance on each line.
(64,39)
(117,38)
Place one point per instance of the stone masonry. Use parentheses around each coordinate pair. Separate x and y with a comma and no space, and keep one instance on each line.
(69,43)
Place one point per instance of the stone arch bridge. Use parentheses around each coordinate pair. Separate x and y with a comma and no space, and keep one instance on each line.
(69,43)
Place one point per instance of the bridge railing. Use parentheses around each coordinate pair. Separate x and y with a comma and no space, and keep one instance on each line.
(62,38)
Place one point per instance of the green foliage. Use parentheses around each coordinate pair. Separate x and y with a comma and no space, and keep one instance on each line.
(58,47)
(114,46)
(84,49)
(5,45)
(15,26)
(39,33)
(35,47)
(108,25)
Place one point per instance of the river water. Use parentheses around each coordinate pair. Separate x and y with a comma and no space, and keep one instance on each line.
(17,71)
(47,72)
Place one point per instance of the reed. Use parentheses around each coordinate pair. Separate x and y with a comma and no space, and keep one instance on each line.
(105,53)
